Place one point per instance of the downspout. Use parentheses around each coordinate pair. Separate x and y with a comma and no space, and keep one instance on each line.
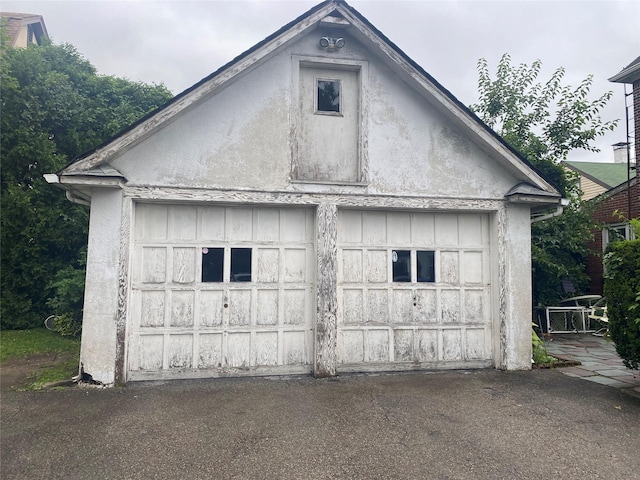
(558,211)
(72,197)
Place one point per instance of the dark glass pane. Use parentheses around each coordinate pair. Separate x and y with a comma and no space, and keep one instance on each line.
(328,96)
(401,265)
(240,264)
(426,266)
(212,264)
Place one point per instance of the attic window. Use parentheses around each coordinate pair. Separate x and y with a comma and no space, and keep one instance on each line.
(328,100)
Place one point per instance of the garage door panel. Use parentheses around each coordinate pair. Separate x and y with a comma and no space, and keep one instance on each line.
(212,224)
(182,303)
(350,227)
(374,228)
(475,306)
(182,222)
(449,267)
(239,307)
(267,307)
(377,346)
(450,306)
(402,306)
(210,350)
(423,230)
(151,222)
(180,351)
(403,341)
(239,225)
(446,226)
(351,346)
(267,224)
(398,229)
(296,226)
(150,352)
(352,265)
(452,344)
(295,307)
(184,265)
(376,266)
(153,308)
(472,268)
(471,229)
(238,349)
(377,306)
(211,305)
(426,345)
(267,265)
(295,262)
(352,306)
(154,265)
(475,343)
(295,349)
(426,305)
(265,349)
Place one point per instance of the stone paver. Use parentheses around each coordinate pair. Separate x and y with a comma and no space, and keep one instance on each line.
(599,361)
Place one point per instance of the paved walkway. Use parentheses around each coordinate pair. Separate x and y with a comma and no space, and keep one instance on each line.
(599,361)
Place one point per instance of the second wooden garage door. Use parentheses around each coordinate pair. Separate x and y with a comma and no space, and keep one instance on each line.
(414,290)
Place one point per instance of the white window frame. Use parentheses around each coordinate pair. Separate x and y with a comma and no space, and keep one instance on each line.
(623,228)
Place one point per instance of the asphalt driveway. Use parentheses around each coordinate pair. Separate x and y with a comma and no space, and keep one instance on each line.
(453,425)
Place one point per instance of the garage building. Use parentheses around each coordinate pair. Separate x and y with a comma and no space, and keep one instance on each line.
(318,205)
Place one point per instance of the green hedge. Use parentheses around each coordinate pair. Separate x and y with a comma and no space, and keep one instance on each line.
(622,290)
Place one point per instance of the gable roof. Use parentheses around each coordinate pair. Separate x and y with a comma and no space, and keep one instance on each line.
(17,20)
(336,13)
(608,175)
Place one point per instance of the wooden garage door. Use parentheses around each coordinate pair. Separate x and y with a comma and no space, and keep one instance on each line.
(413,290)
(220,291)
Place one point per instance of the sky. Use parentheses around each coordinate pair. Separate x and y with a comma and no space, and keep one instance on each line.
(180,42)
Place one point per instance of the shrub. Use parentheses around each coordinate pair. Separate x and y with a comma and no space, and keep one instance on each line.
(622,290)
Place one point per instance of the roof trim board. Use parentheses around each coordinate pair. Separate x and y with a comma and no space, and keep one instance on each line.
(442,98)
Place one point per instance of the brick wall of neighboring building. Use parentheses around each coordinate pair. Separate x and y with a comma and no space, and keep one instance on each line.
(618,200)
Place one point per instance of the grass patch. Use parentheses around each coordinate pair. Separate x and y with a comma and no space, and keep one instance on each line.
(63,371)
(24,343)
(47,356)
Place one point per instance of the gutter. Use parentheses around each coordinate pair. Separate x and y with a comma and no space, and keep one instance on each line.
(556,213)
(72,196)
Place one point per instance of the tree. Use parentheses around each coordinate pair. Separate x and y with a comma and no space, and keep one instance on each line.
(54,107)
(544,123)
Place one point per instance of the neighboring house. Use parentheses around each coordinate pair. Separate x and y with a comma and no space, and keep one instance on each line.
(318,205)
(614,200)
(624,198)
(23,29)
(598,177)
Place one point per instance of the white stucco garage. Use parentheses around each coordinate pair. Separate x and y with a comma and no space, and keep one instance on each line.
(318,205)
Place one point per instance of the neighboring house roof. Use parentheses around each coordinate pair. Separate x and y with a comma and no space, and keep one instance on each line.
(335,12)
(16,21)
(629,74)
(608,175)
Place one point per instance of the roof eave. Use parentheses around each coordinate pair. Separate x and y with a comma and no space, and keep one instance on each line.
(630,74)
